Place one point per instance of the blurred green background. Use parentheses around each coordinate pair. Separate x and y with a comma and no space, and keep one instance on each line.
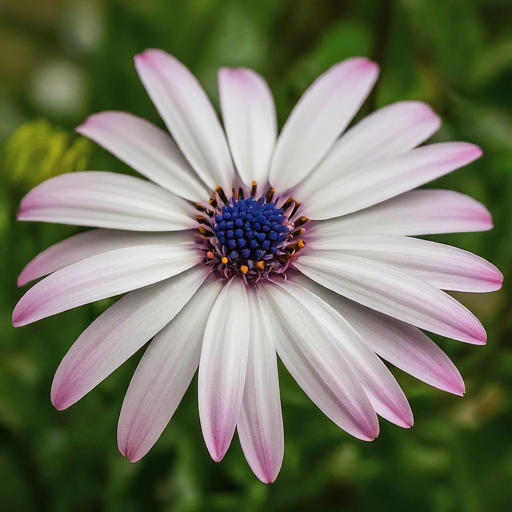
(61,60)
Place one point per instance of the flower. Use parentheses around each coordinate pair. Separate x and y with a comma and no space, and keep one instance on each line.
(245,243)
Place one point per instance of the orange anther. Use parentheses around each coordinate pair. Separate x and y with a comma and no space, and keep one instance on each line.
(260,265)
(224,260)
(209,255)
(301,244)
(244,269)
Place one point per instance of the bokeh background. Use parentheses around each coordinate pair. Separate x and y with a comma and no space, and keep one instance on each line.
(61,60)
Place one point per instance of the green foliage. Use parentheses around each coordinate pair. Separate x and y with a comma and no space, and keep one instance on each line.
(37,151)
(454,54)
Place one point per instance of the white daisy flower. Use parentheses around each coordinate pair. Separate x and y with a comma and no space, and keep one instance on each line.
(245,244)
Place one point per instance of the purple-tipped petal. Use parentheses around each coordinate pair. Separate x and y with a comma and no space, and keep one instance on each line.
(223,367)
(107,200)
(118,333)
(387,178)
(401,344)
(393,292)
(383,391)
(418,212)
(250,120)
(147,149)
(260,423)
(323,112)
(102,276)
(90,243)
(163,375)
(318,365)
(189,116)
(390,131)
(442,266)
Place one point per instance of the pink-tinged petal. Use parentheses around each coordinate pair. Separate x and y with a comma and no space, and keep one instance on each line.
(390,131)
(223,367)
(418,212)
(101,276)
(107,200)
(250,121)
(118,333)
(163,375)
(387,178)
(442,266)
(147,149)
(401,344)
(318,365)
(189,116)
(87,244)
(392,292)
(323,112)
(383,391)
(260,423)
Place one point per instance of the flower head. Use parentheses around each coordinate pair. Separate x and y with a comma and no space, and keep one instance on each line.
(242,244)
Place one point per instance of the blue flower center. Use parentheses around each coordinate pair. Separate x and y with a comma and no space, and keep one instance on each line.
(250,230)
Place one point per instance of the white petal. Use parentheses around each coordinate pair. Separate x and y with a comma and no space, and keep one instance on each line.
(401,344)
(87,244)
(418,212)
(319,117)
(383,391)
(101,276)
(118,333)
(392,130)
(106,200)
(260,423)
(163,375)
(147,149)
(318,365)
(442,266)
(393,292)
(250,120)
(223,367)
(387,178)
(189,116)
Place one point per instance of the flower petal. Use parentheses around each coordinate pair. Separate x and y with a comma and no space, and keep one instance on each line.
(383,391)
(418,212)
(87,244)
(318,365)
(387,178)
(101,276)
(223,367)
(442,266)
(147,149)
(401,344)
(163,375)
(189,116)
(319,117)
(250,120)
(393,292)
(106,200)
(260,423)
(118,333)
(390,131)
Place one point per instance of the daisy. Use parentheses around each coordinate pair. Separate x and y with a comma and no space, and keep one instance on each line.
(243,245)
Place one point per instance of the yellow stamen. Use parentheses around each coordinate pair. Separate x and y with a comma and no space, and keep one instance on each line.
(301,221)
(203,231)
(224,260)
(244,269)
(260,265)
(301,244)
